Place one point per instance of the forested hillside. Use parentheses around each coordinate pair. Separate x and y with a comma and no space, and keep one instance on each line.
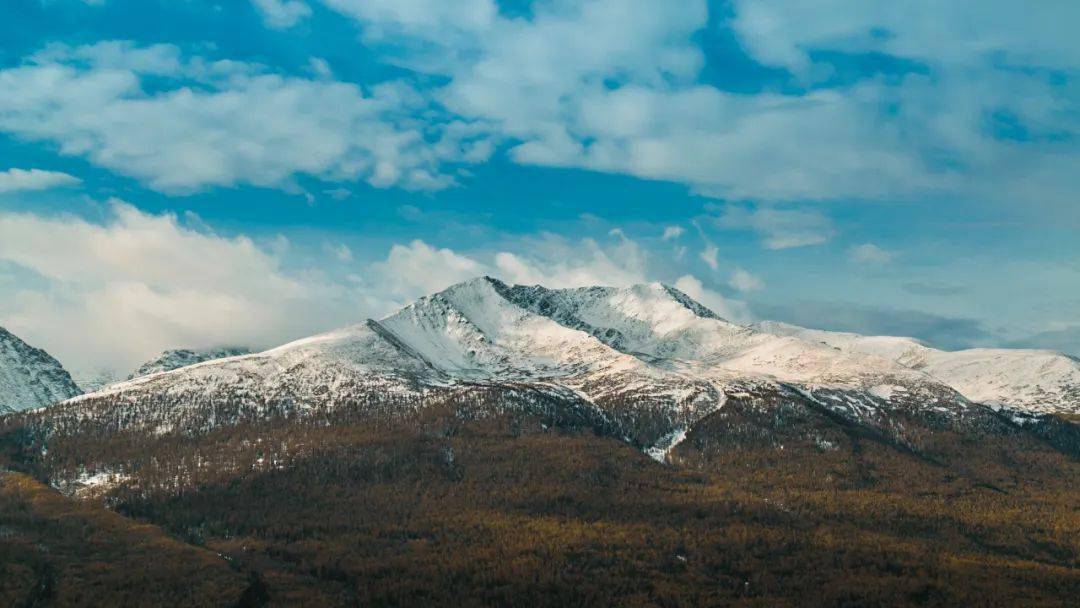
(508,509)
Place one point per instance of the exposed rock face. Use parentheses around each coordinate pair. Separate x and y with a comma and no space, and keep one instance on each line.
(30,377)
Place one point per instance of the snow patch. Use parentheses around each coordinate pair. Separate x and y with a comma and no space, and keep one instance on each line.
(660,450)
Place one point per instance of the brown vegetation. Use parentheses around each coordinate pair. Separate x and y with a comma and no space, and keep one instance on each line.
(55,551)
(503,511)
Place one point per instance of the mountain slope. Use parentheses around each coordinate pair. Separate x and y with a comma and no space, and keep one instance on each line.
(30,377)
(1029,380)
(56,551)
(182,357)
(493,442)
(663,326)
(644,363)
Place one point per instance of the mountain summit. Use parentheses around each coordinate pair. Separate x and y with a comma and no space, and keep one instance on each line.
(645,363)
(30,377)
(490,417)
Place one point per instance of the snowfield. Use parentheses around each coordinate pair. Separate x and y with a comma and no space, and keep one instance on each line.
(1031,380)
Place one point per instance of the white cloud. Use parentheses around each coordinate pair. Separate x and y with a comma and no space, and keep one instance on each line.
(571,88)
(425,19)
(785,32)
(282,14)
(869,253)
(710,255)
(418,269)
(19,180)
(778,228)
(673,232)
(742,280)
(118,292)
(340,251)
(320,67)
(732,310)
(239,124)
(607,85)
(556,262)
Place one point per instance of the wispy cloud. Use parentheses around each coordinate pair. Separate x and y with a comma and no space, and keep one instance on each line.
(778,228)
(673,232)
(742,280)
(710,255)
(560,87)
(869,253)
(239,123)
(282,14)
(565,86)
(21,180)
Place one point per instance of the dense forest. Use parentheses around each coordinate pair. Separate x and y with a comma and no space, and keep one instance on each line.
(513,510)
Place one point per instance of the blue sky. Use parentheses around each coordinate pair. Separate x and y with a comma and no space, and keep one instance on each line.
(198,173)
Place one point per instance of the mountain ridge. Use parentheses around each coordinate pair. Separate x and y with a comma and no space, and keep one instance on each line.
(1032,380)
(440,331)
(29,376)
(645,362)
(182,357)
(594,414)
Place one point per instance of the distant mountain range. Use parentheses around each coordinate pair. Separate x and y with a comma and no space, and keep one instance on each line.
(646,363)
(1031,380)
(525,445)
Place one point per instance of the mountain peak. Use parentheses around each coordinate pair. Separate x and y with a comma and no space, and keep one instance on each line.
(486,330)
(30,377)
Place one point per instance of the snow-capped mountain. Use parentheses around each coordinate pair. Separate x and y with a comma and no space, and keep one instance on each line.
(92,380)
(182,357)
(644,363)
(1029,380)
(30,377)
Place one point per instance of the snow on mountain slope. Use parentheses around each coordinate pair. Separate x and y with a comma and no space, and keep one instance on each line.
(653,322)
(357,364)
(358,349)
(665,327)
(362,370)
(470,330)
(182,357)
(646,360)
(1033,380)
(30,377)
